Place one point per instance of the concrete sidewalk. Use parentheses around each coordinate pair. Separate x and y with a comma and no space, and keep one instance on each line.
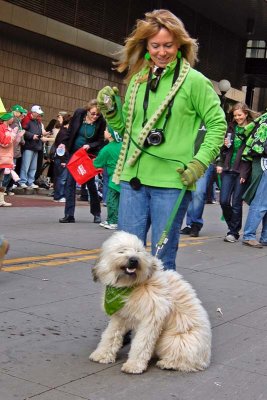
(51,318)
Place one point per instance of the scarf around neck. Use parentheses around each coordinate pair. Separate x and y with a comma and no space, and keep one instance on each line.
(150,123)
(115,298)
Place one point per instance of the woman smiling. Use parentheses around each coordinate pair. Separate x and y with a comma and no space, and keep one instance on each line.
(86,130)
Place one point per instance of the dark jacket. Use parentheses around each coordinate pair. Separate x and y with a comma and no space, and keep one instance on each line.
(32,127)
(240,166)
(61,136)
(96,142)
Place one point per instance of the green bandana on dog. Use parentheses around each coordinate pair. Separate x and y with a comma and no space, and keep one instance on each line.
(115,298)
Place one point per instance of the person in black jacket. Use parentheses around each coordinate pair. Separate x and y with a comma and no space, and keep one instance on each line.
(34,132)
(86,130)
(59,162)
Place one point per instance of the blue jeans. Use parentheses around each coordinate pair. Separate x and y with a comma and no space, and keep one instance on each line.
(257,212)
(28,167)
(138,209)
(231,201)
(60,178)
(197,204)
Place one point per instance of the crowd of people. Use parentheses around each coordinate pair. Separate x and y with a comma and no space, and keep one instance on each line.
(160,148)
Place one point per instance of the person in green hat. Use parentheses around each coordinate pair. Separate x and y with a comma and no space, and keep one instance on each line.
(107,158)
(7,137)
(19,113)
(18,110)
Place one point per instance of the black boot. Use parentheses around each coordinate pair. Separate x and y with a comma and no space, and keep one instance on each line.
(67,219)
(186,230)
(195,228)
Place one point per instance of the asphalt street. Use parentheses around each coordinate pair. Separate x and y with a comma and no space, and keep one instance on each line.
(51,317)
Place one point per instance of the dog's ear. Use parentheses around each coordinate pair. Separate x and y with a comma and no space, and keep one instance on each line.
(94,273)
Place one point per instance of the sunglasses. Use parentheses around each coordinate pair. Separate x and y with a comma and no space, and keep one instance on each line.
(94,114)
(154,83)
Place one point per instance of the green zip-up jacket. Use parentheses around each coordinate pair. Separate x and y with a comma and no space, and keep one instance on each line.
(195,102)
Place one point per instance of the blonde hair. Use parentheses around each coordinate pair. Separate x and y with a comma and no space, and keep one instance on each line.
(243,107)
(131,57)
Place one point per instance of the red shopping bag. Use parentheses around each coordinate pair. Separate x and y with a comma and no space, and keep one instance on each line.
(81,166)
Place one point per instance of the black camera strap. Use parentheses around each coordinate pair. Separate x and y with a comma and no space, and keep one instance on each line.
(148,86)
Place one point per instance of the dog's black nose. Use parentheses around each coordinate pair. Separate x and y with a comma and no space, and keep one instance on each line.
(133,262)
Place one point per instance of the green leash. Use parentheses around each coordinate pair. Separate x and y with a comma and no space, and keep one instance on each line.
(164,236)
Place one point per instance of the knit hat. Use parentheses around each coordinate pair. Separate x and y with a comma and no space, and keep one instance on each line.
(114,134)
(19,108)
(6,116)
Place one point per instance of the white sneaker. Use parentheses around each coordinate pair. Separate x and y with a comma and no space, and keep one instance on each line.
(23,185)
(33,186)
(230,239)
(111,226)
(62,200)
(103,224)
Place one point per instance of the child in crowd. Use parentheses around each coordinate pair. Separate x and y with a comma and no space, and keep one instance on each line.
(18,112)
(7,137)
(107,158)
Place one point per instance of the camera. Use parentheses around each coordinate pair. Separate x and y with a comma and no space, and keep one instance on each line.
(154,137)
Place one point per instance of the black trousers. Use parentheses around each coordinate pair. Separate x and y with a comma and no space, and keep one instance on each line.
(70,194)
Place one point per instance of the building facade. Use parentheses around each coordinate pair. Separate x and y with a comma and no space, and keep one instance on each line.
(59,54)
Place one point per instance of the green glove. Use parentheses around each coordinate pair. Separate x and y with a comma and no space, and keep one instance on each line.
(106,100)
(195,169)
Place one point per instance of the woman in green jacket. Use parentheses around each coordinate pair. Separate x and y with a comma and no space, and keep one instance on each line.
(166,101)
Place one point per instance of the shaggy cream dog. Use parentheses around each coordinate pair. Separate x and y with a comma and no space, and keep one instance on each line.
(159,306)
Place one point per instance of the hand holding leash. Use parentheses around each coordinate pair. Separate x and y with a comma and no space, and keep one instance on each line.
(195,169)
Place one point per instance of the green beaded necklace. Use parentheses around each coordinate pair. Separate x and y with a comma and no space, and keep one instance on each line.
(88,130)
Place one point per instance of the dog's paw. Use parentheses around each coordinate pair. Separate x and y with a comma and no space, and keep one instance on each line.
(133,367)
(163,364)
(102,358)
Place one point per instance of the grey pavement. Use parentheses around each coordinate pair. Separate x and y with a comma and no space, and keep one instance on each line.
(51,317)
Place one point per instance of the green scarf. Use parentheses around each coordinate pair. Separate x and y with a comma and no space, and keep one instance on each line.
(150,123)
(115,298)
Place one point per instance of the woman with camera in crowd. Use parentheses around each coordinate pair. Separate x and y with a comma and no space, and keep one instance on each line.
(166,101)
(86,129)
